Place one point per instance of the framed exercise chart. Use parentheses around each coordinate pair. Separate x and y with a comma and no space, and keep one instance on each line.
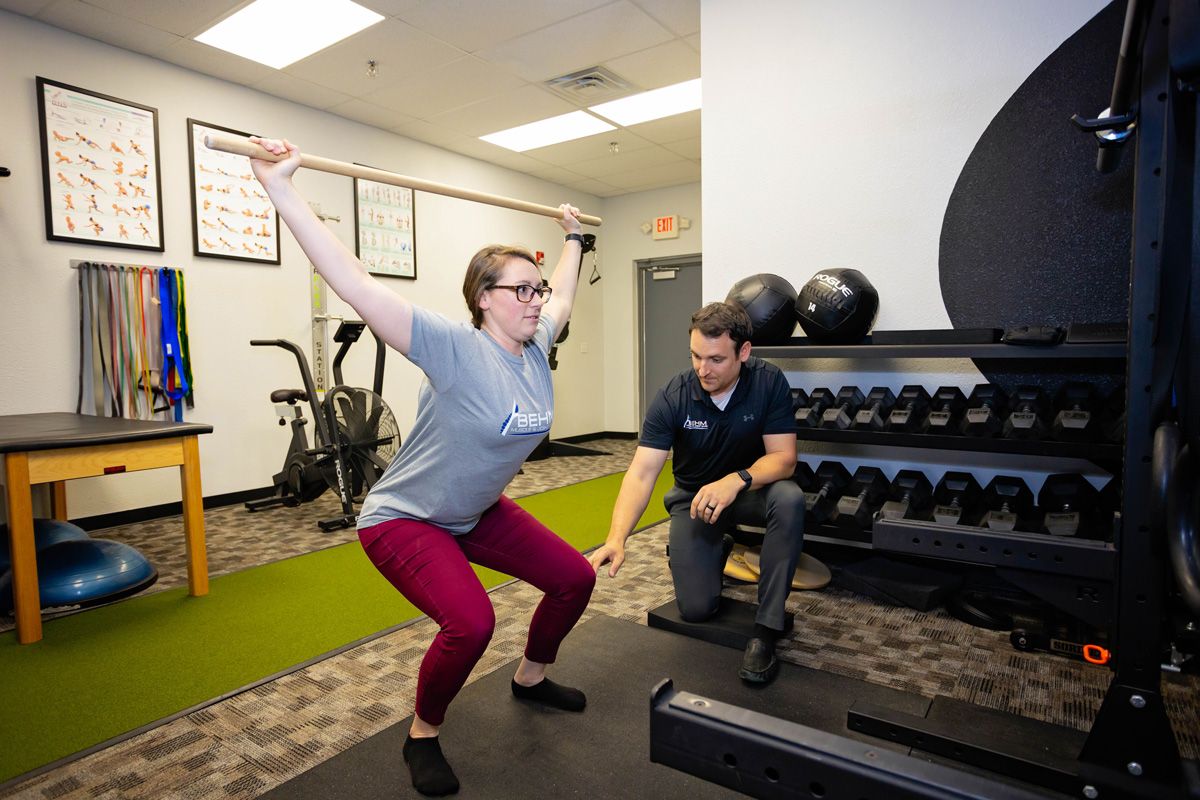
(232,217)
(385,229)
(99,168)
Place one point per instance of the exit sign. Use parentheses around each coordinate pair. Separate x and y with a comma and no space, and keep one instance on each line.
(666,227)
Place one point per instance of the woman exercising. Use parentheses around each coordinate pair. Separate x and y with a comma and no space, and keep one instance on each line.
(485,403)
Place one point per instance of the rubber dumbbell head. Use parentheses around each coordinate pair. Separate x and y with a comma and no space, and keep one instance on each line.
(909,496)
(818,401)
(956,499)
(911,405)
(1009,503)
(1075,419)
(859,502)
(875,409)
(945,411)
(832,480)
(803,476)
(840,416)
(986,408)
(1027,420)
(1068,503)
(799,400)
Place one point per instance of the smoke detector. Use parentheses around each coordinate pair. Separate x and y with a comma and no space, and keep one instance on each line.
(587,87)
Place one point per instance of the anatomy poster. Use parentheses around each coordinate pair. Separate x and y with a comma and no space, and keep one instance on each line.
(385,229)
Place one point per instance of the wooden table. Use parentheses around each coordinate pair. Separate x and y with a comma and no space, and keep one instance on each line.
(57,447)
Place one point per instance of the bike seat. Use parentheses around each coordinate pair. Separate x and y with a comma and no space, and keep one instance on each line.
(288,395)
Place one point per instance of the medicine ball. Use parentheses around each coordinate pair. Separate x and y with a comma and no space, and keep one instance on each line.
(837,306)
(770,302)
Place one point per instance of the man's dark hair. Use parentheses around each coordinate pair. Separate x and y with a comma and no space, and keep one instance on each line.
(717,318)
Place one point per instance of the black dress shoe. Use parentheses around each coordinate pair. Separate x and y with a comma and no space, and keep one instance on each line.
(759,665)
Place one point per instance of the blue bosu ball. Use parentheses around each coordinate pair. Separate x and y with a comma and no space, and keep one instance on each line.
(45,533)
(85,572)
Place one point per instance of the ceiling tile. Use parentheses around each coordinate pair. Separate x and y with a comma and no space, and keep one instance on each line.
(472,25)
(650,177)
(106,26)
(662,65)
(670,129)
(626,162)
(587,148)
(527,103)
(583,41)
(598,188)
(368,113)
(400,51)
(181,19)
(459,83)
(693,42)
(299,91)
(688,148)
(682,17)
(211,61)
(555,174)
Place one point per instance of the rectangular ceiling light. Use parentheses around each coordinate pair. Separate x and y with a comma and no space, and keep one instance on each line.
(545,132)
(654,104)
(281,32)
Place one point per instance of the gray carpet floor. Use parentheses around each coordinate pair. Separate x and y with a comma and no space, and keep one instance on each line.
(252,742)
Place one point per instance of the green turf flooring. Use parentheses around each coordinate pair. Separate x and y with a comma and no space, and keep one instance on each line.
(102,673)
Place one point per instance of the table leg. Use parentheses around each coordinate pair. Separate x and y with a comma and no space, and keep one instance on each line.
(193,518)
(26,599)
(58,500)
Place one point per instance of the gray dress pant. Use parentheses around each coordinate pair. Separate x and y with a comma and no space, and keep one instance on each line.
(696,549)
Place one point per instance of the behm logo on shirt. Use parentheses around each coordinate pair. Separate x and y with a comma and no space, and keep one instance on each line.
(690,424)
(525,423)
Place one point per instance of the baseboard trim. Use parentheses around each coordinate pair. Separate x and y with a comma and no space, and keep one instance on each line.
(135,515)
(591,437)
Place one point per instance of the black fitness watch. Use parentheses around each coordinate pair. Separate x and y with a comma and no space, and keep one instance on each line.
(576,236)
(745,476)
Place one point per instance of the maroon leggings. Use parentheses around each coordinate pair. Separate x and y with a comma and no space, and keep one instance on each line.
(431,568)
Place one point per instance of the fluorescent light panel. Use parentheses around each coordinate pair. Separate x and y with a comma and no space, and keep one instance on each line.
(281,32)
(544,132)
(654,104)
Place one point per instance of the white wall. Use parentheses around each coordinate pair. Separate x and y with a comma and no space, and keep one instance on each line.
(623,244)
(833,134)
(231,302)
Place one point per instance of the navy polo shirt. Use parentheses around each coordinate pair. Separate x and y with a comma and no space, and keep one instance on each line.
(710,443)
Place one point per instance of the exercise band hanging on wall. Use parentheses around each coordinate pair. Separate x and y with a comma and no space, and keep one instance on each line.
(133,345)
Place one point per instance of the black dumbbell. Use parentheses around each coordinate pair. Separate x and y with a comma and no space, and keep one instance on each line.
(945,410)
(1027,420)
(1068,503)
(840,415)
(803,476)
(956,499)
(862,498)
(818,401)
(910,408)
(1009,504)
(799,400)
(875,409)
(909,496)
(832,479)
(986,409)
(1076,420)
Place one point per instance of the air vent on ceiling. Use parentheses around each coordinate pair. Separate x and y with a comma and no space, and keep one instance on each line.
(590,86)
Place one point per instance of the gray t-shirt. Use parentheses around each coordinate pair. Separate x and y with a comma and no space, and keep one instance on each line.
(480,412)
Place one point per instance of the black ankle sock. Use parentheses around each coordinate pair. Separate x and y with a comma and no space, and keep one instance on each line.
(431,774)
(770,635)
(549,693)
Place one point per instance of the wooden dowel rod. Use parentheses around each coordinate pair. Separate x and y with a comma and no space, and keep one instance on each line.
(240,145)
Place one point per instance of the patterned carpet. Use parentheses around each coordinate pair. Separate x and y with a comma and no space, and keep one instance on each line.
(247,744)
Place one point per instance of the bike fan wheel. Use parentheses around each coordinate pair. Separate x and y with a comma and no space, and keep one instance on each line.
(366,434)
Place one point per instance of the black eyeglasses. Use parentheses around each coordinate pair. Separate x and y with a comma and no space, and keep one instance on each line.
(525,292)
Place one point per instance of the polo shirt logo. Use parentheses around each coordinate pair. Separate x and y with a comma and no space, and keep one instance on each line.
(748,418)
(695,424)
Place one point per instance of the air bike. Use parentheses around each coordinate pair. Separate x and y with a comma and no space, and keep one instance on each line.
(354,440)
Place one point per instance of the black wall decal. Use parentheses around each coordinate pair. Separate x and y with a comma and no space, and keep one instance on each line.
(1033,234)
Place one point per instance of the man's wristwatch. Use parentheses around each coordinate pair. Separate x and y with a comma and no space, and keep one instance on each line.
(745,476)
(576,236)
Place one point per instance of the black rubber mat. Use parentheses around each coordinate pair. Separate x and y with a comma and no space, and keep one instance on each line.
(503,748)
(731,626)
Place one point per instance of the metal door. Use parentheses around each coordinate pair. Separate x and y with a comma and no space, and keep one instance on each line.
(668,294)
